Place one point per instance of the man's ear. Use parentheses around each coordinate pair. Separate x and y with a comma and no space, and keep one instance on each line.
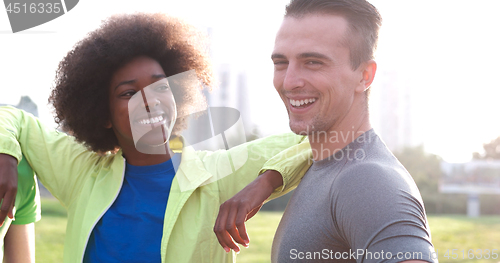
(368,70)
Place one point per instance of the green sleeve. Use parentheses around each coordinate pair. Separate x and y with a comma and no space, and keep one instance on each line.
(292,164)
(28,196)
(287,153)
(59,161)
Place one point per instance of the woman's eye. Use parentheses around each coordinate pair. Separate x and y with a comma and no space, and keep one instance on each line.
(162,88)
(128,94)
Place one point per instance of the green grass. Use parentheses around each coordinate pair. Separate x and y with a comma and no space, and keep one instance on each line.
(463,233)
(50,232)
(448,232)
(261,230)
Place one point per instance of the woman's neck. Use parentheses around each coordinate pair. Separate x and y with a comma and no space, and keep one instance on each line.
(159,154)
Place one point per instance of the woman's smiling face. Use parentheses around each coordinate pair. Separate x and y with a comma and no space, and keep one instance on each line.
(146,118)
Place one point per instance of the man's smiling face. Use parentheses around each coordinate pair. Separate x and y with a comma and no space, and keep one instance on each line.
(313,73)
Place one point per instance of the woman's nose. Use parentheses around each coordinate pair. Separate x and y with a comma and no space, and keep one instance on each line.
(150,101)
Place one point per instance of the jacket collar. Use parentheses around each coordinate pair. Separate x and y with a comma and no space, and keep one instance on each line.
(191,172)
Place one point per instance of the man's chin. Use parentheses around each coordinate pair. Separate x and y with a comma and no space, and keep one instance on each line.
(301,129)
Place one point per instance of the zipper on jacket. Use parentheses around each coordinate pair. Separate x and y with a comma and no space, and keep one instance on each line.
(107,208)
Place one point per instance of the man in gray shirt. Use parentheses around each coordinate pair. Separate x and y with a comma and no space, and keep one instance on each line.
(356,203)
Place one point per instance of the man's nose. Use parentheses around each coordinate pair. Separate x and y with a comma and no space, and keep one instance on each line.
(293,78)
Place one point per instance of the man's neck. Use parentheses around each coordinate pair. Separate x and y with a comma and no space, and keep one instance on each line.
(326,143)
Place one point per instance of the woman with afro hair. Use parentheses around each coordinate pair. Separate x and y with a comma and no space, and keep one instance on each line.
(118,94)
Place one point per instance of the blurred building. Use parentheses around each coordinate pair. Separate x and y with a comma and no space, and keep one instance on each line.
(231,81)
(230,90)
(26,104)
(474,178)
(391,110)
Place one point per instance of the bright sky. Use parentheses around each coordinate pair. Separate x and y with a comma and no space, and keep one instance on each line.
(446,51)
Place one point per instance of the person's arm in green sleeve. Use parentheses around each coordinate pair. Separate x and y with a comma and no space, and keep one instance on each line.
(59,161)
(235,168)
(280,174)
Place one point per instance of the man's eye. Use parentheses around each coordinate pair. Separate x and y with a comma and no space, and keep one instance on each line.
(280,65)
(314,62)
(277,63)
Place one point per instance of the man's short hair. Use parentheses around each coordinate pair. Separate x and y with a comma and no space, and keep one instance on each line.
(363,20)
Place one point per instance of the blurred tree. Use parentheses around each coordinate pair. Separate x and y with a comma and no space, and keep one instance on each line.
(491,150)
(425,168)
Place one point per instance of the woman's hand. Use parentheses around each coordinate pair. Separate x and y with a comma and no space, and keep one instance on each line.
(230,223)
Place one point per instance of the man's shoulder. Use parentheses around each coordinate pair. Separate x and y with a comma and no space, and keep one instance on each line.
(373,157)
(375,173)
(378,185)
(386,165)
